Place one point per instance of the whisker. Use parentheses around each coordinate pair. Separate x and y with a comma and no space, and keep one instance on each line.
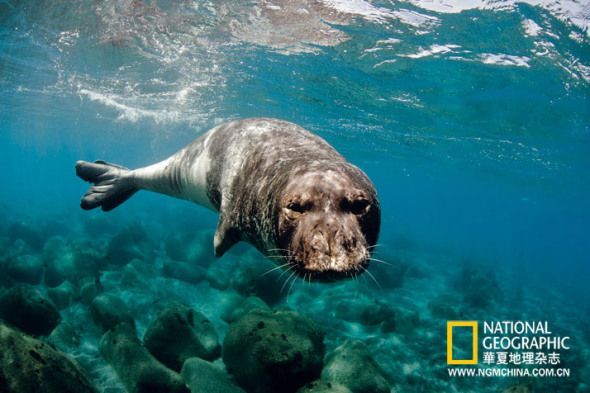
(376,245)
(275,268)
(280,249)
(380,261)
(285,271)
(372,276)
(286,281)
(291,287)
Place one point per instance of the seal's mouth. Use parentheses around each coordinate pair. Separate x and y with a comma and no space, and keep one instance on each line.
(331,274)
(327,268)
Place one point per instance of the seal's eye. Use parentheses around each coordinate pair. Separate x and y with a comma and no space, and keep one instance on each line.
(357,206)
(298,207)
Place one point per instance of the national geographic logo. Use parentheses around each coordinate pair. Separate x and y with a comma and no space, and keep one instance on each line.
(474,346)
(507,348)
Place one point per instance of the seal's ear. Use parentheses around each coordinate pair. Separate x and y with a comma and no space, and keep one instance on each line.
(225,237)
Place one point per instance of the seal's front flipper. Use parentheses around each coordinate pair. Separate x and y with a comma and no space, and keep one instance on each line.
(112,185)
(225,237)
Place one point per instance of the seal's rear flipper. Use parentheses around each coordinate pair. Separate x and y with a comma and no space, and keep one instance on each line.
(111,187)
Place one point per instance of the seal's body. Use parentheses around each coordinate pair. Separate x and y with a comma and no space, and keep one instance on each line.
(275,185)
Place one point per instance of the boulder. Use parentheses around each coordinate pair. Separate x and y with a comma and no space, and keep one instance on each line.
(26,269)
(27,309)
(107,311)
(69,262)
(89,289)
(444,306)
(376,312)
(203,377)
(179,333)
(402,321)
(64,337)
(217,276)
(249,304)
(478,286)
(137,369)
(390,273)
(320,386)
(273,351)
(184,271)
(62,296)
(30,366)
(520,388)
(361,308)
(194,248)
(131,278)
(130,243)
(256,278)
(351,365)
(28,233)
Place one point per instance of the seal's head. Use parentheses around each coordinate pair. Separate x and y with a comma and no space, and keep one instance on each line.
(328,221)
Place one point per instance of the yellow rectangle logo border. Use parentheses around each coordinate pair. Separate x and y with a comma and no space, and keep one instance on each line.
(474,350)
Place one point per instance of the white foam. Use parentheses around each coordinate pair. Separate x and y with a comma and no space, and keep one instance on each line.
(574,11)
(531,28)
(432,50)
(504,60)
(375,14)
(361,8)
(130,113)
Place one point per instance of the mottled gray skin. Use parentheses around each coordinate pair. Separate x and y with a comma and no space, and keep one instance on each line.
(277,186)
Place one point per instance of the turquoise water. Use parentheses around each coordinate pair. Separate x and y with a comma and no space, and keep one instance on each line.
(472,119)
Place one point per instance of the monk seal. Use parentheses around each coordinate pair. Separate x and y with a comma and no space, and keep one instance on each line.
(275,185)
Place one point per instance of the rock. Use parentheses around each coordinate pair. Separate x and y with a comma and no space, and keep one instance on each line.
(402,321)
(69,262)
(520,388)
(26,269)
(29,366)
(249,304)
(64,337)
(360,308)
(351,365)
(62,296)
(479,286)
(273,351)
(108,311)
(390,273)
(98,225)
(15,248)
(444,307)
(203,377)
(375,313)
(132,278)
(26,232)
(254,279)
(137,369)
(217,276)
(227,302)
(184,271)
(89,289)
(61,268)
(179,333)
(194,248)
(27,309)
(132,242)
(320,386)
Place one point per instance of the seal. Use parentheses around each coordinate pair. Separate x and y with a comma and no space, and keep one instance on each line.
(275,185)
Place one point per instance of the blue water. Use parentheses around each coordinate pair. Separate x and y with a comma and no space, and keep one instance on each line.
(473,125)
